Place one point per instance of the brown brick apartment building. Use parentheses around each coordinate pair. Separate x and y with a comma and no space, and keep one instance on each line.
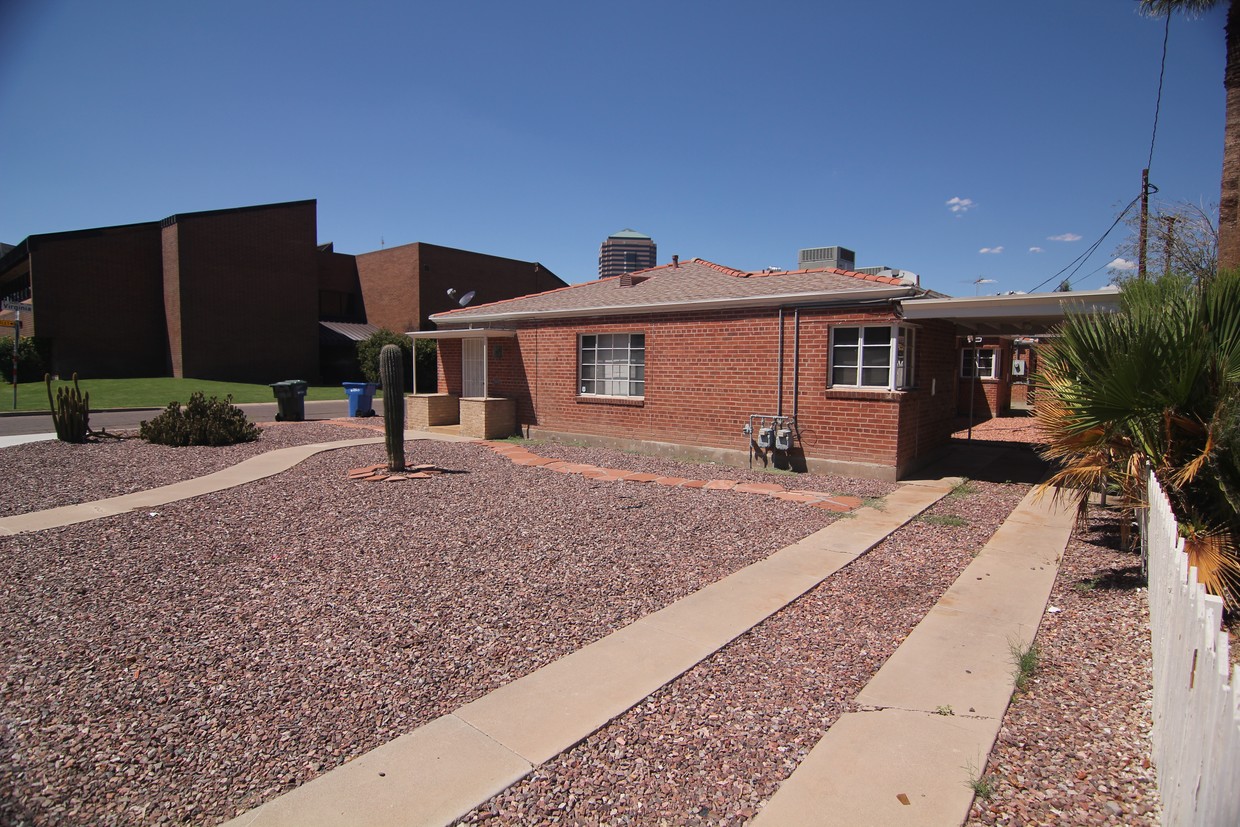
(235,294)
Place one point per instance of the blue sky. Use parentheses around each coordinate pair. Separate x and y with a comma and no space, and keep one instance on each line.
(730,131)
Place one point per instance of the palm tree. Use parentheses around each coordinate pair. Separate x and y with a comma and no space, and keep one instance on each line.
(1156,385)
(1229,199)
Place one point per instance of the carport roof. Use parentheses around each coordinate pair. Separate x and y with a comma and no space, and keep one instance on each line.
(1024,314)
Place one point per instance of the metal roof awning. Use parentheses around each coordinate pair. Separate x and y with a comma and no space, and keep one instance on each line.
(353,332)
(1013,315)
(467,333)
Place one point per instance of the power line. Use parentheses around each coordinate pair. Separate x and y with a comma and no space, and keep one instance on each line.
(1080,260)
(1162,69)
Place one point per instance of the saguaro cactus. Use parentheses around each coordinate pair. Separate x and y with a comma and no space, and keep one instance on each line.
(391,373)
(70,411)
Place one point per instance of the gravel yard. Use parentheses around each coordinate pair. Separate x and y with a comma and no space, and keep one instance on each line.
(181,664)
(713,745)
(1074,748)
(48,474)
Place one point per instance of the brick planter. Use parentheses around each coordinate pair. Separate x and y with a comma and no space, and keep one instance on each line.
(422,410)
(488,418)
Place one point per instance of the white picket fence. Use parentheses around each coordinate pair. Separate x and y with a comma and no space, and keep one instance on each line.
(1196,734)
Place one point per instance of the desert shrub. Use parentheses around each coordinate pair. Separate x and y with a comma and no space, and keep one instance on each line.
(422,352)
(201,422)
(31,364)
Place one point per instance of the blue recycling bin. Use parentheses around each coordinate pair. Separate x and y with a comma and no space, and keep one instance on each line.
(361,398)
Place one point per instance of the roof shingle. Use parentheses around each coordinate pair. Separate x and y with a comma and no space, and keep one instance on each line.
(670,285)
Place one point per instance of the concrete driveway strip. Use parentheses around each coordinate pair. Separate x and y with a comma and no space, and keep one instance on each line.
(255,468)
(939,701)
(531,720)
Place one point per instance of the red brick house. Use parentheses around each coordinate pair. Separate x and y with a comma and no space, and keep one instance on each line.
(685,358)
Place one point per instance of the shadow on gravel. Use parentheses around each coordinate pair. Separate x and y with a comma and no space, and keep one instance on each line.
(1121,580)
(988,462)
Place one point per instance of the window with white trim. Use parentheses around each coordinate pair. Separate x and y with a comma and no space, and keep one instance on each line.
(612,364)
(986,363)
(872,356)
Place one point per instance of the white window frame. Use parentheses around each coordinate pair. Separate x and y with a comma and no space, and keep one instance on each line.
(611,365)
(901,357)
(984,372)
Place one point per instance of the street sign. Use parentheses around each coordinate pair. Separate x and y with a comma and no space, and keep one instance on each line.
(10,323)
(18,306)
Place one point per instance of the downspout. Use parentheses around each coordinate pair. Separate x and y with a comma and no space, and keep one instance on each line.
(796,362)
(779,392)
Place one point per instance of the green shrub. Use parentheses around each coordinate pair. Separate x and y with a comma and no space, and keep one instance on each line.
(201,422)
(31,364)
(368,358)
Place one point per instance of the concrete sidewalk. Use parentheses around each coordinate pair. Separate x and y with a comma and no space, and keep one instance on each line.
(255,468)
(936,705)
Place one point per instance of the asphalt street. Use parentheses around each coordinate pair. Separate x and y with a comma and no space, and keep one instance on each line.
(12,424)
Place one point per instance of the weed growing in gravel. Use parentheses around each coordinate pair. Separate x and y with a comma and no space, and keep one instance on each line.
(944,519)
(876,503)
(984,785)
(1087,584)
(945,709)
(962,490)
(1025,658)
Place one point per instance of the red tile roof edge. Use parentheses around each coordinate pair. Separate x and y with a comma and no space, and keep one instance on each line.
(730,271)
(531,295)
(837,271)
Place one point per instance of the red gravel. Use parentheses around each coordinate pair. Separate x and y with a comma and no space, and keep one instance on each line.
(184,663)
(1074,748)
(713,745)
(1001,429)
(40,475)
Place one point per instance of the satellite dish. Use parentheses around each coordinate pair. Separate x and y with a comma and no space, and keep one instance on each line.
(466,299)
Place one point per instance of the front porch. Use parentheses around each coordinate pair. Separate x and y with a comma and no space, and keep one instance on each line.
(466,405)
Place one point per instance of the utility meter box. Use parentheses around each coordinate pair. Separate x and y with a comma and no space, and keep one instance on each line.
(764,437)
(1018,367)
(783,439)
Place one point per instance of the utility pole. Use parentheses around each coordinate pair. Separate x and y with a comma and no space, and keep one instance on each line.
(1145,217)
(1168,244)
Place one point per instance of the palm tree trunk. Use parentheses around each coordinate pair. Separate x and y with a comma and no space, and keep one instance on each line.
(1229,198)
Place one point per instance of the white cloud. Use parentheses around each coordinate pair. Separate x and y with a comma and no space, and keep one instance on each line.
(1036,250)
(992,250)
(1122,264)
(959,205)
(1064,237)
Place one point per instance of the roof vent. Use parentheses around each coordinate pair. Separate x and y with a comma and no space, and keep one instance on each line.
(628,279)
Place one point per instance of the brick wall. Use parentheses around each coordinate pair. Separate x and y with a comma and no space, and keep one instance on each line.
(706,373)
(99,300)
(403,286)
(242,293)
(990,397)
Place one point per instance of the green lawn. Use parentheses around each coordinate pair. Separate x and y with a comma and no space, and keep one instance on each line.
(151,393)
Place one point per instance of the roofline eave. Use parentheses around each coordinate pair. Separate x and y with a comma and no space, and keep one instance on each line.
(745,302)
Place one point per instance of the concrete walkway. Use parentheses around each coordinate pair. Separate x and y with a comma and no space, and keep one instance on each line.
(936,705)
(266,464)
(442,770)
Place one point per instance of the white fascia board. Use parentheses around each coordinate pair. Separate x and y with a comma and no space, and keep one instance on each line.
(744,302)
(464,333)
(1032,305)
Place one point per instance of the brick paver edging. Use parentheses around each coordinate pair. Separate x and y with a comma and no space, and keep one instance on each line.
(520,455)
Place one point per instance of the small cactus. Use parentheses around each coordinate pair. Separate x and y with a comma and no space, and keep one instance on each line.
(70,411)
(391,373)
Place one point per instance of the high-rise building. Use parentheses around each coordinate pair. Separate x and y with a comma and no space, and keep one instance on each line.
(625,252)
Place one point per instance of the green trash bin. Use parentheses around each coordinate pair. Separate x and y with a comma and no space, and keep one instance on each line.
(290,399)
